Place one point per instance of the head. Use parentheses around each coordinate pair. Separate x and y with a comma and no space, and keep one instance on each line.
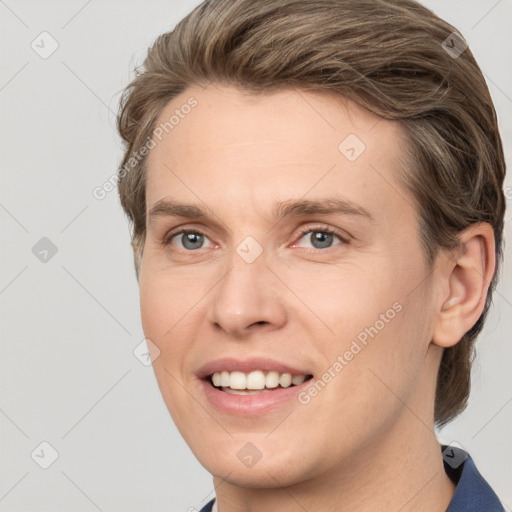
(246,107)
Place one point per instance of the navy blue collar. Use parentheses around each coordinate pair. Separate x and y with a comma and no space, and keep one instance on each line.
(472,494)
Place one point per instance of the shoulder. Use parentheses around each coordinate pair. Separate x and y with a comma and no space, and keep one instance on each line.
(473,493)
(208,507)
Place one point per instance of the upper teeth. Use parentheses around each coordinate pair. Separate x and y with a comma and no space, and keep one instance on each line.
(255,380)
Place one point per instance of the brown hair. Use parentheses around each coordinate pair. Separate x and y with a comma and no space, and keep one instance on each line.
(389,57)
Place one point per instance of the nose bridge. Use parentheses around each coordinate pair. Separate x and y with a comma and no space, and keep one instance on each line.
(246,296)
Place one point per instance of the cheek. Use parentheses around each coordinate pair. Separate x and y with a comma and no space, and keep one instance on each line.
(167,299)
(391,349)
(344,298)
(163,314)
(164,320)
(375,315)
(156,307)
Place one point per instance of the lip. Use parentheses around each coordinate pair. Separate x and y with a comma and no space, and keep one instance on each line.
(231,364)
(250,405)
(244,405)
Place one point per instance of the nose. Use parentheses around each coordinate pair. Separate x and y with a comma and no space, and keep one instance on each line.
(247,299)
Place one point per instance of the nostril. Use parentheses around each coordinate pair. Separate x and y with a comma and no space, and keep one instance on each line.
(261,322)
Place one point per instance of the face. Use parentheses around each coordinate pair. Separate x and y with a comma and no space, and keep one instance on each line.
(280,245)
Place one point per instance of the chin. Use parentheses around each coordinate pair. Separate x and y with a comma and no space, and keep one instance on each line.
(261,476)
(251,461)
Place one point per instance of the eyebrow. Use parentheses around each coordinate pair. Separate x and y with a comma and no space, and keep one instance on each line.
(291,208)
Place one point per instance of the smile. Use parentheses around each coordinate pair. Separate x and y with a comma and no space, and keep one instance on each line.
(251,387)
(254,382)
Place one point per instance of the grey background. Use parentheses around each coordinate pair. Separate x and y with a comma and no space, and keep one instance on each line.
(69,325)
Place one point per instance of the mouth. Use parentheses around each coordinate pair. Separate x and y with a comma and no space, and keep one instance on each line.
(251,387)
(255,382)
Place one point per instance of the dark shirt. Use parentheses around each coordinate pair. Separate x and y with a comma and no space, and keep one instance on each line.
(472,494)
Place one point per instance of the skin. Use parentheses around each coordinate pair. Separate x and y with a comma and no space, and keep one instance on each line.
(366,441)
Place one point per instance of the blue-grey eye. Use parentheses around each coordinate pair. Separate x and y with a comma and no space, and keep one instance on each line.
(192,240)
(321,239)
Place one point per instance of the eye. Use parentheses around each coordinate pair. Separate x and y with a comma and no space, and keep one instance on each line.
(186,240)
(321,238)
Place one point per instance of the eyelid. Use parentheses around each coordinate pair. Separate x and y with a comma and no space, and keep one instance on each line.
(169,235)
(325,228)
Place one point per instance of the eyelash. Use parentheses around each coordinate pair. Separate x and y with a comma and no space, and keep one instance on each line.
(325,230)
(315,229)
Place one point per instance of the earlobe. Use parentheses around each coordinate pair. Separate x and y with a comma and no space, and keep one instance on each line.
(469,275)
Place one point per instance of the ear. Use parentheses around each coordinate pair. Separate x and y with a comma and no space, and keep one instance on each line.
(468,273)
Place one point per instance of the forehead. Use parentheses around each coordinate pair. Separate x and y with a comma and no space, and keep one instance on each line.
(242,148)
